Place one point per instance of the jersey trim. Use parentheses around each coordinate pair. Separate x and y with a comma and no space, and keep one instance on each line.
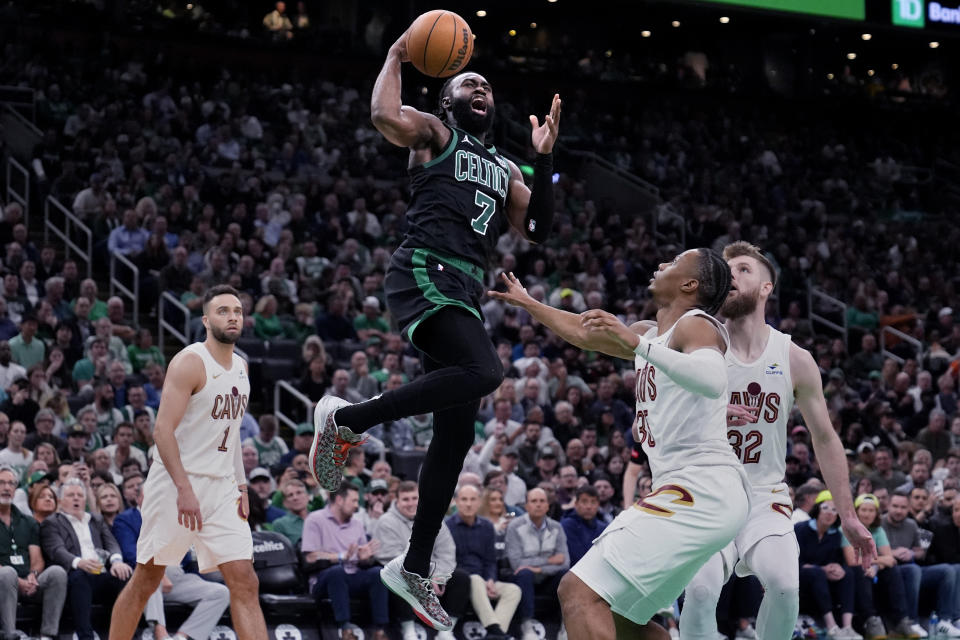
(431,293)
(460,264)
(454,139)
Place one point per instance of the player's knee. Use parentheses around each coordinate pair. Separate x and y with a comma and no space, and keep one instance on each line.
(488,377)
(703,596)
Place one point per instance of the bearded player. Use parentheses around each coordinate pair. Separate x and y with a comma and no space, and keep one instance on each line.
(646,556)
(196,491)
(767,373)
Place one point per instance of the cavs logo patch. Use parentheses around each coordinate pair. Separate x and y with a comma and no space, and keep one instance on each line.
(682,497)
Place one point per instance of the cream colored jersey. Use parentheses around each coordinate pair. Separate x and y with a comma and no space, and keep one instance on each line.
(766,386)
(208,436)
(679,428)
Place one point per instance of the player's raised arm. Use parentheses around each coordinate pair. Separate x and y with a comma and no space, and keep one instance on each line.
(808,391)
(531,211)
(403,126)
(565,324)
(185,377)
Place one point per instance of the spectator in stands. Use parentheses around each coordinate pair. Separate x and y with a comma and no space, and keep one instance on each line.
(277,22)
(8,328)
(9,369)
(136,403)
(109,505)
(93,366)
(945,546)
(315,381)
(334,325)
(475,540)
(267,324)
(117,316)
(43,501)
(207,599)
(622,414)
(17,303)
(43,424)
(130,238)
(823,574)
(935,436)
(53,295)
(23,572)
(117,375)
(541,570)
(122,449)
(91,201)
(360,379)
(261,487)
(451,584)
(904,536)
(302,439)
(304,323)
(77,440)
(885,475)
(115,346)
(270,447)
(176,276)
(295,502)
(15,455)
(72,539)
(582,526)
(919,477)
(108,416)
(337,545)
(25,348)
(370,321)
(341,388)
(377,499)
(132,484)
(155,376)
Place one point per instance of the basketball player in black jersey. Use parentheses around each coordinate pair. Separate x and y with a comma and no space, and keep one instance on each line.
(464,195)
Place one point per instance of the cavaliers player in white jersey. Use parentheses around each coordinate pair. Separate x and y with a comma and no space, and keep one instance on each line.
(767,373)
(643,560)
(196,491)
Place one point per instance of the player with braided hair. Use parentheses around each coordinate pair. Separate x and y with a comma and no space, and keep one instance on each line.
(645,558)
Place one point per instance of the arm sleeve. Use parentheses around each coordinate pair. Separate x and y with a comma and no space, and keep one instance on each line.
(703,372)
(539,219)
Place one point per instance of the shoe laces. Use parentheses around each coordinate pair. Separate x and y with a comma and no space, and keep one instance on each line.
(341,447)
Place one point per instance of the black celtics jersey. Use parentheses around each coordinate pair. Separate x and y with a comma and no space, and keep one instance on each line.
(458,200)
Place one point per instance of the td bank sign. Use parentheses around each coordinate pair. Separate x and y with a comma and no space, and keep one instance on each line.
(913,13)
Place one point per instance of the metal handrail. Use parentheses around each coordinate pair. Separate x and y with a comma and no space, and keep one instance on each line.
(12,194)
(115,283)
(815,293)
(23,120)
(64,232)
(904,337)
(283,385)
(163,324)
(637,181)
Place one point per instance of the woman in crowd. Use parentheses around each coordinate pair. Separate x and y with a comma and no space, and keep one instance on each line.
(109,502)
(824,576)
(43,501)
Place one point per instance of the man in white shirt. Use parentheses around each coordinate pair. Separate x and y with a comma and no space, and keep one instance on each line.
(9,370)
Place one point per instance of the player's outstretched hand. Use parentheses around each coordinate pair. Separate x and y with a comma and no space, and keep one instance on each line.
(188,510)
(740,414)
(545,135)
(861,541)
(516,294)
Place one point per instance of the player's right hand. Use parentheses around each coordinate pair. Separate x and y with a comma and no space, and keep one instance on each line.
(740,414)
(400,47)
(188,510)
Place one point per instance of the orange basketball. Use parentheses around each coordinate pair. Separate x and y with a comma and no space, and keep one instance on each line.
(440,43)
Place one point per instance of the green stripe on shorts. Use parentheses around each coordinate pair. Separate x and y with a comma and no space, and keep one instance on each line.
(431,292)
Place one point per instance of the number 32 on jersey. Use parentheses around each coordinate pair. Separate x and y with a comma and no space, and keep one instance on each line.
(746,446)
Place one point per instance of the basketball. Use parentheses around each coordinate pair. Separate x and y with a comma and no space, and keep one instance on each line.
(440,43)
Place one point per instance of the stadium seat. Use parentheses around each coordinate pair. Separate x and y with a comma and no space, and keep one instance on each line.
(255,348)
(406,464)
(289,349)
(283,590)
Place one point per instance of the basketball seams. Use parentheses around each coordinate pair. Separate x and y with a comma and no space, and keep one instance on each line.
(453,43)
(426,43)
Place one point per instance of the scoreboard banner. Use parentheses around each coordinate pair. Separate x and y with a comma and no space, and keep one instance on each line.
(848,9)
(921,13)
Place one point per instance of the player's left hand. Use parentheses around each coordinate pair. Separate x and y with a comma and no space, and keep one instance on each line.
(243,505)
(861,541)
(121,570)
(545,135)
(599,321)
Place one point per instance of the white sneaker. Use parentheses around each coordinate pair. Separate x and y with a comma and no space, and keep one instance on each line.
(836,633)
(851,634)
(944,628)
(418,592)
(532,630)
(749,633)
(330,443)
(920,631)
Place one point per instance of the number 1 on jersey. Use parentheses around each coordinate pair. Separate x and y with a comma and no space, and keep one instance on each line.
(223,445)
(489,205)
